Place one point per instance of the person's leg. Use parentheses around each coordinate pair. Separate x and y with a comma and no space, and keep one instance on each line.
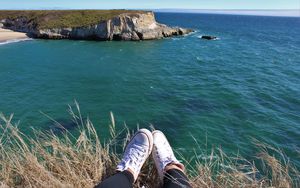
(175,178)
(121,179)
(170,170)
(136,153)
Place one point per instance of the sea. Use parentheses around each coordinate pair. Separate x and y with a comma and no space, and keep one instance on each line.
(227,93)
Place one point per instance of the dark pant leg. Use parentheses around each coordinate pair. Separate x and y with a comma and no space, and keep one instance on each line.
(175,179)
(120,180)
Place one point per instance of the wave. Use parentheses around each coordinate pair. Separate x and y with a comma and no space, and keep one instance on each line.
(177,38)
(14,41)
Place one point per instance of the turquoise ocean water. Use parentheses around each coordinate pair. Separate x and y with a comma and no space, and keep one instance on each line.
(225,92)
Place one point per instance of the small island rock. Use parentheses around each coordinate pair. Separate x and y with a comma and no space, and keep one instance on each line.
(207,37)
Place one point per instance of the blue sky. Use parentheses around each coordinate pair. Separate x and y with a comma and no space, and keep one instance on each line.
(150,4)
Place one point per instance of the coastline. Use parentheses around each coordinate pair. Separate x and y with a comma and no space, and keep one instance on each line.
(7,35)
(100,25)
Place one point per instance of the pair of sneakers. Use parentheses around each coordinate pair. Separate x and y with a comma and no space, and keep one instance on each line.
(139,149)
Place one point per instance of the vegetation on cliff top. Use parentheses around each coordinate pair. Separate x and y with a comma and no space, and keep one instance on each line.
(47,19)
(49,160)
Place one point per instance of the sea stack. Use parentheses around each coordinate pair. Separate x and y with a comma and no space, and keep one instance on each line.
(104,25)
(207,37)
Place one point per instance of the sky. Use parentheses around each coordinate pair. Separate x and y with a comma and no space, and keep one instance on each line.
(150,4)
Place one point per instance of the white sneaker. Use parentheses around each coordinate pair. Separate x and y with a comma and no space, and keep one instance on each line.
(136,153)
(162,153)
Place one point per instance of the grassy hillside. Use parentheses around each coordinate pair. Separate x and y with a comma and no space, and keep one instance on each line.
(64,18)
(48,160)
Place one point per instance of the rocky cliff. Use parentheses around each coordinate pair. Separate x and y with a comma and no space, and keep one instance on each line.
(125,26)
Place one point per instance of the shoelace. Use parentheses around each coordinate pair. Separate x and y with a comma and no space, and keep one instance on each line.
(135,156)
(164,155)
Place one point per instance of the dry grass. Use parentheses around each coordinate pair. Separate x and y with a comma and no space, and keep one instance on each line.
(48,160)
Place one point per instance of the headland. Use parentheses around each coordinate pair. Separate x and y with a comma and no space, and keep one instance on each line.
(88,24)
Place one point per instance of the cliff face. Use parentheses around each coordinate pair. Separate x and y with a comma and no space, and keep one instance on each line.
(138,26)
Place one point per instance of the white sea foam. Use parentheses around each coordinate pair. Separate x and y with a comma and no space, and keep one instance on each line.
(14,41)
(177,38)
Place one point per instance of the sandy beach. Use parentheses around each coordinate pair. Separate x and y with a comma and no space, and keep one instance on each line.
(6,35)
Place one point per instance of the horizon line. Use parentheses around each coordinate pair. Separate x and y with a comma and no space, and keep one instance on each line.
(60,8)
(246,12)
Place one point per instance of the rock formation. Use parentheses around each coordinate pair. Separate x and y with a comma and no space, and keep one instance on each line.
(207,37)
(126,26)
